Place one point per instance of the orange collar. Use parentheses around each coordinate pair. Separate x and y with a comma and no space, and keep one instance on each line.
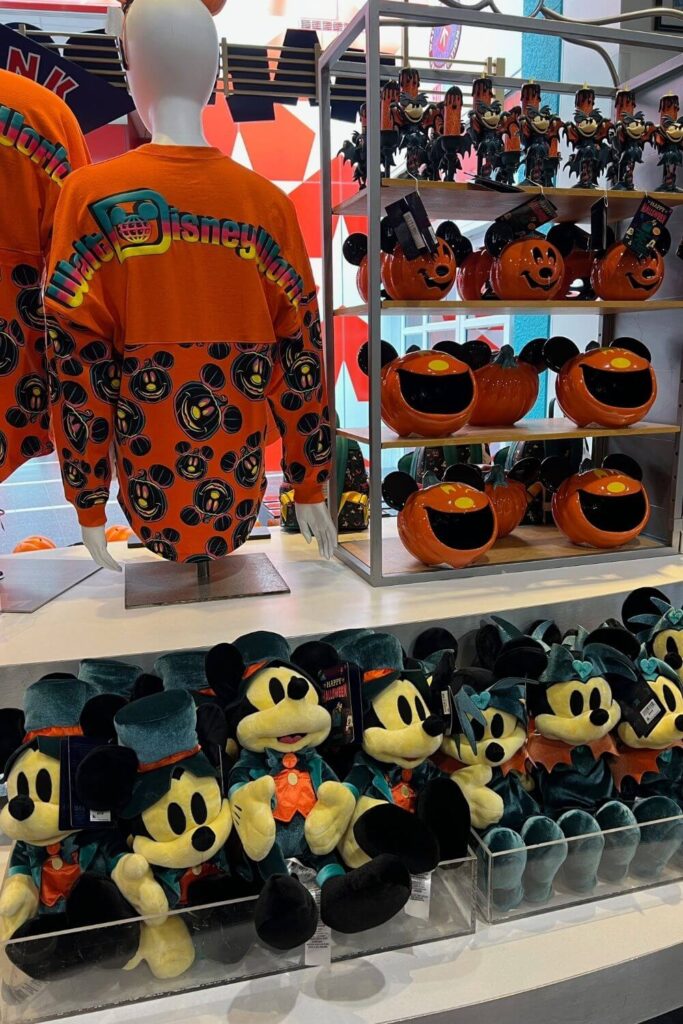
(549,753)
(636,763)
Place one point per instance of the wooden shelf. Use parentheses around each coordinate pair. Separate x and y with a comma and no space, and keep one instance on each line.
(526,544)
(510,308)
(527,430)
(462,201)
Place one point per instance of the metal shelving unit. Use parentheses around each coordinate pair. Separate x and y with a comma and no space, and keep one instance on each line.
(379,557)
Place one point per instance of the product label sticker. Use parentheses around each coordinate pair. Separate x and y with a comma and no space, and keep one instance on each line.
(420,896)
(528,216)
(341,687)
(72,813)
(318,949)
(412,227)
(599,225)
(647,227)
(3,789)
(100,817)
(644,710)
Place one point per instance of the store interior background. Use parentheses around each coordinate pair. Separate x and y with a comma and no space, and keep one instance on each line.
(284,148)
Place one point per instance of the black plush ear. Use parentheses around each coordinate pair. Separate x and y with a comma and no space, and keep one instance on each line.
(623,464)
(451,234)
(436,638)
(550,635)
(355,248)
(527,470)
(97,716)
(476,354)
(557,351)
(488,644)
(389,353)
(313,656)
(497,236)
(639,602)
(105,778)
(632,345)
(451,348)
(224,670)
(663,241)
(554,470)
(616,637)
(478,678)
(464,474)
(146,685)
(532,353)
(12,733)
(212,731)
(521,657)
(567,237)
(397,488)
(387,237)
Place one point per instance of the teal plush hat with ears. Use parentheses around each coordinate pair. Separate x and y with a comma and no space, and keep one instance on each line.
(109,676)
(343,636)
(380,657)
(652,668)
(593,660)
(52,711)
(185,670)
(669,617)
(505,695)
(161,730)
(263,648)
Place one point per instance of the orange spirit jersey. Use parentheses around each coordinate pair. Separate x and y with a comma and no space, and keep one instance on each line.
(185,302)
(40,143)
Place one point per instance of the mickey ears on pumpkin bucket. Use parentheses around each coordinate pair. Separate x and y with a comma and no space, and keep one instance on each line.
(554,471)
(449,232)
(397,488)
(632,345)
(566,237)
(526,471)
(475,353)
(532,354)
(663,241)
(557,351)
(389,353)
(623,464)
(498,235)
(463,473)
(355,248)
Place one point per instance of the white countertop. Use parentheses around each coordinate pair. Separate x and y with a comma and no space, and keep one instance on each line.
(91,620)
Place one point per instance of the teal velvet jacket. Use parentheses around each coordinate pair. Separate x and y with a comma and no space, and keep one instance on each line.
(380,781)
(585,784)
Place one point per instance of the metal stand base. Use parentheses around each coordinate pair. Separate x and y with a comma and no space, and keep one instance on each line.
(30,583)
(153,584)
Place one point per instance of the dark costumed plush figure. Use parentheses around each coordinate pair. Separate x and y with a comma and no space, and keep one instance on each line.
(168,801)
(287,803)
(573,711)
(657,623)
(406,805)
(58,878)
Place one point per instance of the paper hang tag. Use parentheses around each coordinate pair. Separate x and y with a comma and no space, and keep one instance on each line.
(420,896)
(72,813)
(599,225)
(341,688)
(412,227)
(644,711)
(3,789)
(442,705)
(318,949)
(528,216)
(647,225)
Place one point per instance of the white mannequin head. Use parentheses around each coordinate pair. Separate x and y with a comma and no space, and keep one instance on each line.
(171,48)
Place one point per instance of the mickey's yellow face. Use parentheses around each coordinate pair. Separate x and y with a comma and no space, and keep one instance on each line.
(636,129)
(491,118)
(407,734)
(669,729)
(588,127)
(32,810)
(668,647)
(287,714)
(674,132)
(498,740)
(581,712)
(188,826)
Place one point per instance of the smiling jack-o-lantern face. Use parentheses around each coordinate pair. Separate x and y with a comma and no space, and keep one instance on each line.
(621,275)
(602,508)
(450,523)
(424,392)
(614,386)
(530,269)
(427,277)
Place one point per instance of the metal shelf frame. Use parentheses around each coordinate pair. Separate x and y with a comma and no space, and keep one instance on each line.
(368,22)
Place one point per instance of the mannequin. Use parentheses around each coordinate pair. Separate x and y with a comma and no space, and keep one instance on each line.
(171,49)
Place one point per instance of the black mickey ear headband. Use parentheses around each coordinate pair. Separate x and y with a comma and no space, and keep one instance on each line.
(389,353)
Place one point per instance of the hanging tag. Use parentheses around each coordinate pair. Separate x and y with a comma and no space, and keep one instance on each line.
(644,712)
(318,949)
(647,226)
(3,790)
(598,241)
(72,813)
(412,227)
(494,186)
(528,216)
(341,688)
(420,896)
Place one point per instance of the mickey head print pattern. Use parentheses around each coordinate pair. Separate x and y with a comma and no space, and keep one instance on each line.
(188,424)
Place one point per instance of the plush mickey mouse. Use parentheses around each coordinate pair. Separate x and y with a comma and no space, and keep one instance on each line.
(287,803)
(406,804)
(657,623)
(58,878)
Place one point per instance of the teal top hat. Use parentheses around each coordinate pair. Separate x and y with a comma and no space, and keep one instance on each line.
(340,637)
(262,648)
(162,732)
(380,656)
(184,670)
(52,711)
(109,676)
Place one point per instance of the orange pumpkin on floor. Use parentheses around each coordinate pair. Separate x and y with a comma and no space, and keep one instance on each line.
(531,269)
(35,543)
(599,508)
(427,393)
(613,386)
(449,523)
(508,494)
(622,276)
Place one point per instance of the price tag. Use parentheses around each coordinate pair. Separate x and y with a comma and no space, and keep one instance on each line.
(647,227)
(599,225)
(318,949)
(3,790)
(100,816)
(410,223)
(420,896)
(644,710)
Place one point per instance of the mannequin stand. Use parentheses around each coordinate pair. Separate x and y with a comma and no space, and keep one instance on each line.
(30,583)
(154,584)
(259,532)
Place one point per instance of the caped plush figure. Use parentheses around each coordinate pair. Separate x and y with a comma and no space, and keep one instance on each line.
(574,711)
(287,803)
(166,795)
(58,878)
(406,804)
(657,623)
